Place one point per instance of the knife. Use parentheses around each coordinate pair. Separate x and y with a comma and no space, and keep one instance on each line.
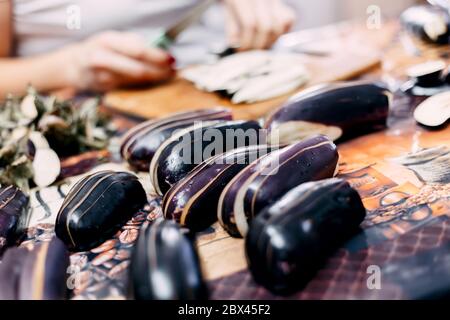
(167,37)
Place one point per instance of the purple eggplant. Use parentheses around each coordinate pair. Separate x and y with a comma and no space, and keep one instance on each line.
(97,207)
(165,264)
(270,177)
(37,274)
(140,143)
(193,201)
(429,23)
(289,241)
(343,109)
(13,207)
(180,154)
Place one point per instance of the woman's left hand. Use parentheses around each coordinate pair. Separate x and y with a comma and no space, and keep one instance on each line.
(257,24)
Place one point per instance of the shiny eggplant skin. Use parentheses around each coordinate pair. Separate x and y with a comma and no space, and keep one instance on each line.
(96,207)
(13,207)
(430,23)
(192,202)
(165,264)
(180,154)
(270,177)
(353,107)
(36,274)
(290,240)
(141,142)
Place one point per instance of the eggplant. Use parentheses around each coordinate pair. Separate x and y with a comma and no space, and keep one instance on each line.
(140,143)
(270,177)
(429,74)
(342,109)
(429,23)
(97,207)
(180,154)
(37,274)
(434,111)
(192,202)
(165,264)
(291,239)
(13,207)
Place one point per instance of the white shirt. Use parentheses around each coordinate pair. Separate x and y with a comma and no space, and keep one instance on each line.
(44,25)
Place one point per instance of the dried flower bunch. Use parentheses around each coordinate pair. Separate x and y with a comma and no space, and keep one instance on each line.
(36,130)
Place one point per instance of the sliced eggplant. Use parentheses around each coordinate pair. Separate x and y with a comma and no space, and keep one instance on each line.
(428,74)
(46,167)
(165,264)
(272,85)
(28,108)
(140,143)
(45,162)
(97,207)
(349,107)
(270,177)
(435,111)
(217,77)
(38,140)
(290,240)
(13,207)
(429,23)
(192,202)
(251,76)
(180,154)
(37,274)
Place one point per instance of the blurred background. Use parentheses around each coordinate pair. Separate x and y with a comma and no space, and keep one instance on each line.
(310,14)
(314,13)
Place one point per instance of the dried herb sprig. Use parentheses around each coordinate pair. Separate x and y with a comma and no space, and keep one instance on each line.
(67,127)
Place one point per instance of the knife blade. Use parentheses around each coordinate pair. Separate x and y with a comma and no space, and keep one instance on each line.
(167,37)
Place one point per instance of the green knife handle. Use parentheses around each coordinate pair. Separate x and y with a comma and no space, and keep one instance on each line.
(162,41)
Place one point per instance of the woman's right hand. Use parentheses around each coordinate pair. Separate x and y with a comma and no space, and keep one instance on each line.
(113,59)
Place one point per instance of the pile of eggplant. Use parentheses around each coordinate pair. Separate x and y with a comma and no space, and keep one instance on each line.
(270,177)
(192,202)
(278,194)
(277,191)
(340,110)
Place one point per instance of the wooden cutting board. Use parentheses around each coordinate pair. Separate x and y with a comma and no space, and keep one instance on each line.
(351,49)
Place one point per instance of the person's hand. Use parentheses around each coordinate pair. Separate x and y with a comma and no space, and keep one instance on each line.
(113,59)
(257,24)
